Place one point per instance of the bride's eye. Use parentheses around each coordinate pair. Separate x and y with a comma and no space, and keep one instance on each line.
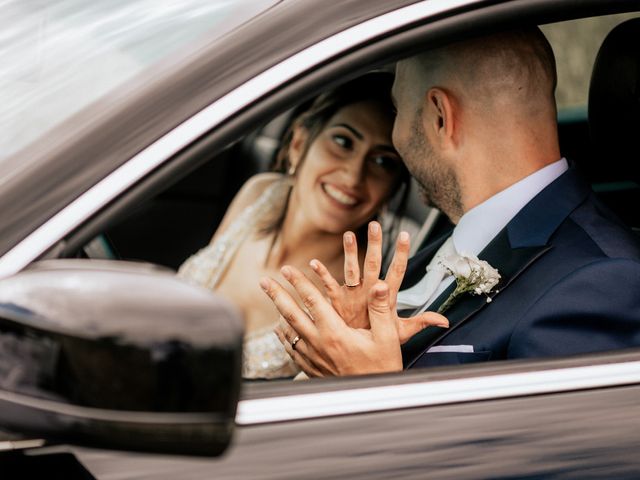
(342,141)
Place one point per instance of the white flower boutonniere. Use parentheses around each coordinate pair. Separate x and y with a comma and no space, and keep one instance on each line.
(472,275)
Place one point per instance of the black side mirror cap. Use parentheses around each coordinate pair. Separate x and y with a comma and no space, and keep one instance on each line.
(118,355)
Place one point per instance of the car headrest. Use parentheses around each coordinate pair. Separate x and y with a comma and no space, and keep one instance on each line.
(614,103)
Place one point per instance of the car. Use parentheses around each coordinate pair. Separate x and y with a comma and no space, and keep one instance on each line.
(127,129)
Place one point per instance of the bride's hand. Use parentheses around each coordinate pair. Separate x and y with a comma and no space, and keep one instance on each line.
(351,301)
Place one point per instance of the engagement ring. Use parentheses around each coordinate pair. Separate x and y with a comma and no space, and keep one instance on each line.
(294,342)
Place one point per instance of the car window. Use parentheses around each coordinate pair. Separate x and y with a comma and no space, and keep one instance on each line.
(575,44)
(58,57)
(184,217)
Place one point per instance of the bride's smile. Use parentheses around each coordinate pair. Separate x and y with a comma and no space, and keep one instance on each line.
(342,198)
(349,171)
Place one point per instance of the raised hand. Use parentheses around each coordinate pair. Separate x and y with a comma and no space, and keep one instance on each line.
(356,330)
(350,299)
(324,344)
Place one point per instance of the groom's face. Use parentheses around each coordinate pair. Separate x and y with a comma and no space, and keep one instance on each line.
(409,136)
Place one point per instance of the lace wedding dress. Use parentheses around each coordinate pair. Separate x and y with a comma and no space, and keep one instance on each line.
(264,355)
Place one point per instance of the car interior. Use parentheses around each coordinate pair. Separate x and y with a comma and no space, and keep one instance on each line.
(197,204)
(182,218)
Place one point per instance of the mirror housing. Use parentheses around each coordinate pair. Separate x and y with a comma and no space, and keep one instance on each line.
(118,355)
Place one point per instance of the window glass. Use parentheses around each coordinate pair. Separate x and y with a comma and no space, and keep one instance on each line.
(56,57)
(575,44)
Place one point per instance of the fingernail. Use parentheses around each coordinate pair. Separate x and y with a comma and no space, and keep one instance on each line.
(348,239)
(374,228)
(313,264)
(443,324)
(404,237)
(264,283)
(286,272)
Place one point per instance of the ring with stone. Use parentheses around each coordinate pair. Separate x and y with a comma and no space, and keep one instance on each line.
(294,342)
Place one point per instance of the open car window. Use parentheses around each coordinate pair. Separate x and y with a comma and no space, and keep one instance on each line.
(188,211)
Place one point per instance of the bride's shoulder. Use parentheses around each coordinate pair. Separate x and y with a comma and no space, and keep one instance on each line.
(253,189)
(248,194)
(256,186)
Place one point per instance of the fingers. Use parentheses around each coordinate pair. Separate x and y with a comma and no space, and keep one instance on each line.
(312,360)
(319,308)
(329,283)
(373,258)
(297,355)
(398,266)
(285,333)
(351,264)
(382,318)
(306,366)
(412,325)
(289,309)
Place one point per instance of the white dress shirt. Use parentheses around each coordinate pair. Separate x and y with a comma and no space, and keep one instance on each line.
(481,224)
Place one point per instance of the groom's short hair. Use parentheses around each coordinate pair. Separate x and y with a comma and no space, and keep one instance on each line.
(518,65)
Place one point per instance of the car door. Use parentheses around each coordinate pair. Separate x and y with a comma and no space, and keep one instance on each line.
(550,419)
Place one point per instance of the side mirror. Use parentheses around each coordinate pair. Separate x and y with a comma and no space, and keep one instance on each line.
(118,355)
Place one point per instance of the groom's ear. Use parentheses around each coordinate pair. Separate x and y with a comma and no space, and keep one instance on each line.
(296,147)
(439,118)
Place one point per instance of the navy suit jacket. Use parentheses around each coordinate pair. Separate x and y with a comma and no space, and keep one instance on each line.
(570,284)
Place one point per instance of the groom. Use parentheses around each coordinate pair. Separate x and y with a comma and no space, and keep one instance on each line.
(476,126)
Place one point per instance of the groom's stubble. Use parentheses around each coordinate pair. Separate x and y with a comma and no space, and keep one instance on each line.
(438,182)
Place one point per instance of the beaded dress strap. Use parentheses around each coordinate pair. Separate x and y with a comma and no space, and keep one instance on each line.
(206,267)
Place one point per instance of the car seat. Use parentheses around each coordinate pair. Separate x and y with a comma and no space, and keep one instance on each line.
(614,121)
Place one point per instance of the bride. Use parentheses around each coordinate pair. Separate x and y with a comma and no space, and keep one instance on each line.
(339,169)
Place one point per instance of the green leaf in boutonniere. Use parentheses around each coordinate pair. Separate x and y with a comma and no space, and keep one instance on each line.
(472,275)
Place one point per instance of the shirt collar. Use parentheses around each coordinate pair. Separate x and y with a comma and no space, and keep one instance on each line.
(479,225)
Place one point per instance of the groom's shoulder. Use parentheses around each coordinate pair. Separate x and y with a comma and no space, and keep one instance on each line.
(597,225)
(588,224)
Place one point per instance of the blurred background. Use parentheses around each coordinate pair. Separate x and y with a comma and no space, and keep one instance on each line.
(575,48)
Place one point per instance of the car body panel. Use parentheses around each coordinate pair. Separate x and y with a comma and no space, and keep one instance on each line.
(552,436)
(568,433)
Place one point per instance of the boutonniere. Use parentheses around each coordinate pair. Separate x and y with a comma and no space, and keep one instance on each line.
(472,275)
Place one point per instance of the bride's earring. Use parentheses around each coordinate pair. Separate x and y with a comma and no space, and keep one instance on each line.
(289,179)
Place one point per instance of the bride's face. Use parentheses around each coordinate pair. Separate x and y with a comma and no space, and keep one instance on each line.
(350,170)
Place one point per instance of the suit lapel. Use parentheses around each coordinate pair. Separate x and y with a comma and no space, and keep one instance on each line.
(510,263)
(525,239)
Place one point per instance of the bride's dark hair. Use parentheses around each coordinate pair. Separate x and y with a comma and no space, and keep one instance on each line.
(375,87)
